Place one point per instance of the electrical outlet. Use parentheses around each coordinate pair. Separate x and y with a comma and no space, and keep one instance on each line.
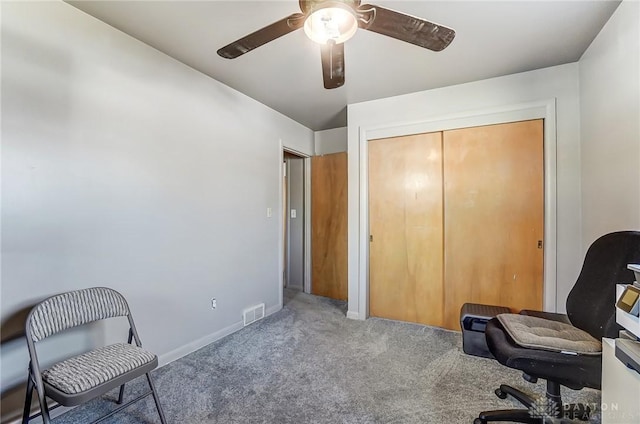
(214,303)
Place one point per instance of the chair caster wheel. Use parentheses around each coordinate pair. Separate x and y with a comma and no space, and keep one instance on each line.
(500,394)
(479,421)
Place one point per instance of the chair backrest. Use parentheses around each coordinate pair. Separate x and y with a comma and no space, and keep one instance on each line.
(71,309)
(591,302)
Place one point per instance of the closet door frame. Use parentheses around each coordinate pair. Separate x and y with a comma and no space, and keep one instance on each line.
(545,109)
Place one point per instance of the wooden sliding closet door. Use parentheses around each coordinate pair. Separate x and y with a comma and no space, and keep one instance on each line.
(405,221)
(494,220)
(329,225)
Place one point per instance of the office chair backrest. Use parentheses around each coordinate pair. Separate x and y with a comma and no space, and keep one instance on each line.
(72,309)
(591,302)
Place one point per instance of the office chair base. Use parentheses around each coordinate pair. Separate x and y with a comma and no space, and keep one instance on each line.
(560,414)
(510,415)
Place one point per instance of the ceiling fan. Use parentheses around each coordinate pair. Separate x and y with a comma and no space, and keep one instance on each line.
(332,22)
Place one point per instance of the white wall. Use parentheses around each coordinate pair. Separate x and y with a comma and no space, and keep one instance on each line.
(123,167)
(559,83)
(331,141)
(610,126)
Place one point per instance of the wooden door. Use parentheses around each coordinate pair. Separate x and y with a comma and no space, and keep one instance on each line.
(329,225)
(493,219)
(405,221)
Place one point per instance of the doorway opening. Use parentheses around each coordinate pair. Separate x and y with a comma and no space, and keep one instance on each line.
(295,222)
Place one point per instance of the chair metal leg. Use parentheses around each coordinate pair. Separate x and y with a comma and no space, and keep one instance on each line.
(121,395)
(518,395)
(44,408)
(155,399)
(27,401)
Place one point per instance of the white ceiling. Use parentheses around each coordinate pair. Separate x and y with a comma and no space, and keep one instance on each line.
(493,38)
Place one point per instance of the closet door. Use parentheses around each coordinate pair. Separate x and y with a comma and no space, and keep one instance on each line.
(329,225)
(493,219)
(405,221)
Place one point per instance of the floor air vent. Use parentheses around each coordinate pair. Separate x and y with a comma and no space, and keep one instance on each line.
(253,314)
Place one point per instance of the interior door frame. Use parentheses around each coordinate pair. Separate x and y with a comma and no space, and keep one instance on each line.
(543,109)
(307,220)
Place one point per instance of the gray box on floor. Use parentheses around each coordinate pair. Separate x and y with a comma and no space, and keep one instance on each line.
(473,321)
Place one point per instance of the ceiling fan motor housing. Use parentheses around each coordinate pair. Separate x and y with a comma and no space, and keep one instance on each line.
(309,6)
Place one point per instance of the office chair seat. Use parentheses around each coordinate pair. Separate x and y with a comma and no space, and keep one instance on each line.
(571,371)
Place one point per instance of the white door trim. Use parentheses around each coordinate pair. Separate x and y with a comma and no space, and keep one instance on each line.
(307,220)
(307,224)
(545,109)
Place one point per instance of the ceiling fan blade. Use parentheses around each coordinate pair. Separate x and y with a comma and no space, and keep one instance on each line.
(332,64)
(405,27)
(263,36)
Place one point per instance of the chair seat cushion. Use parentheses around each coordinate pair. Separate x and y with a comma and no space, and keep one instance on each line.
(574,371)
(86,371)
(539,333)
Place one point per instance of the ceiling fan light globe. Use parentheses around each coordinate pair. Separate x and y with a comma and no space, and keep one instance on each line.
(331,23)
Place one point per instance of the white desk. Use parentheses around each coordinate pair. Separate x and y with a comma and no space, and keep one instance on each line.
(620,389)
(620,385)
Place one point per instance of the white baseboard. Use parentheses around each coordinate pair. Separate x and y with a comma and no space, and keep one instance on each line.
(272,309)
(191,347)
(354,315)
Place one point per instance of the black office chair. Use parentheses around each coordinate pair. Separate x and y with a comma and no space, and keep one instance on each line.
(590,307)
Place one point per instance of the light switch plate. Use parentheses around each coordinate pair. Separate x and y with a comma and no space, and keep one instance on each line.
(293,213)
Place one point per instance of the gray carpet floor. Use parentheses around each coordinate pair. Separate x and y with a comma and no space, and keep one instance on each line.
(308,363)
